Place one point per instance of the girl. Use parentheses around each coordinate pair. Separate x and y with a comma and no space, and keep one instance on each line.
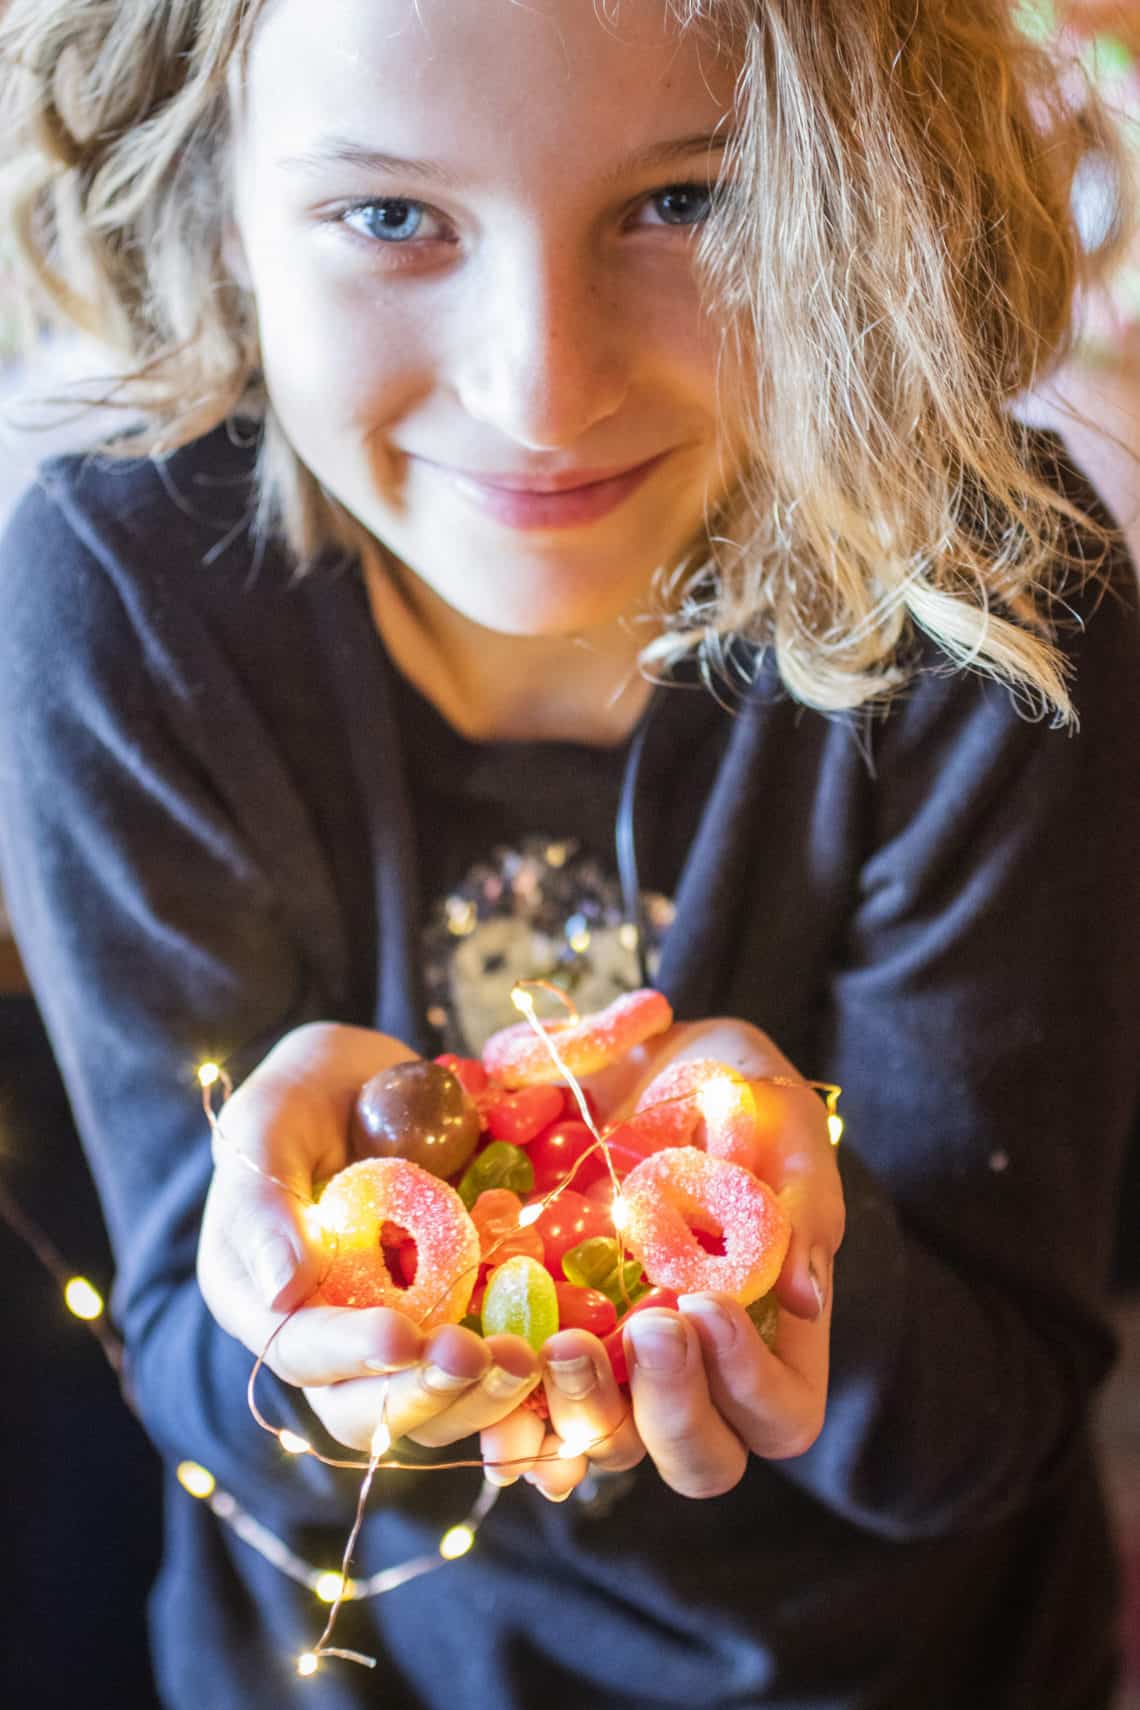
(556,420)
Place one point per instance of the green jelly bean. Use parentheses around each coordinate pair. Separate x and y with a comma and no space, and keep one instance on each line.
(594,1264)
(499,1165)
(521,1301)
(764,1313)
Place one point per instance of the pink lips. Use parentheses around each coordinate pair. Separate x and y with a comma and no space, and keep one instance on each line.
(568,509)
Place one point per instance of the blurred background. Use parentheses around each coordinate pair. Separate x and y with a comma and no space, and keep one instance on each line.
(78,1480)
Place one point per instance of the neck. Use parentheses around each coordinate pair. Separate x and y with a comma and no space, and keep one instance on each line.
(493,687)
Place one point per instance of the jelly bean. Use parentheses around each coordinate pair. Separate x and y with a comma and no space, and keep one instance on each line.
(518,1057)
(416,1110)
(517,1117)
(594,1264)
(468,1071)
(614,1344)
(520,1301)
(557,1149)
(495,1215)
(584,1309)
(498,1165)
(567,1221)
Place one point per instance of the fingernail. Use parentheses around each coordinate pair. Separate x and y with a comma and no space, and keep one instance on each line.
(388,1366)
(500,1383)
(274,1265)
(817,1276)
(573,1378)
(500,1480)
(658,1343)
(436,1378)
(721,1329)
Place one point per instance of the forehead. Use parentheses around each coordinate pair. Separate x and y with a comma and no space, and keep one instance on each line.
(514,86)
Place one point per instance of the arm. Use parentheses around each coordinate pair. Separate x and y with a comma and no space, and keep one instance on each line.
(156,935)
(984,1024)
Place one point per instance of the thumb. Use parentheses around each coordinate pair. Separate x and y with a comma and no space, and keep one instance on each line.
(284,1261)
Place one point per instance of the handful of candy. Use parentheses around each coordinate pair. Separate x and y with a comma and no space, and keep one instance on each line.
(481,1197)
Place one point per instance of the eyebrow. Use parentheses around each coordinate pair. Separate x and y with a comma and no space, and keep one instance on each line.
(332,150)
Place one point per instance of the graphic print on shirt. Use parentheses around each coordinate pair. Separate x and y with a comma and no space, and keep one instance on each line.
(546,910)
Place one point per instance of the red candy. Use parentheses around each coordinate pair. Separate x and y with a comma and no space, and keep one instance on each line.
(354,1208)
(468,1071)
(519,1058)
(682,1188)
(517,1117)
(567,1220)
(584,1309)
(556,1151)
(709,1105)
(614,1344)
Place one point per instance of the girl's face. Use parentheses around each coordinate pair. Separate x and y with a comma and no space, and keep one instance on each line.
(520,303)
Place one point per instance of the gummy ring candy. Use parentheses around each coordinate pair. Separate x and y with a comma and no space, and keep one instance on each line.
(353,1210)
(703,1094)
(518,1057)
(673,1192)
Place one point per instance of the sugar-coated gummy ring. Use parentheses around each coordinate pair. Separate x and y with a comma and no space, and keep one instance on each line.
(701,1092)
(680,1189)
(518,1057)
(354,1207)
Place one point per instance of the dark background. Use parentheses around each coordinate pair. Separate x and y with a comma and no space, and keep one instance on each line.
(79,1485)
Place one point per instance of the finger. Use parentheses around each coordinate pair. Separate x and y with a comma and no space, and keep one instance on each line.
(695,1451)
(509,1448)
(330,1344)
(454,1359)
(509,1378)
(774,1401)
(556,1472)
(587,1408)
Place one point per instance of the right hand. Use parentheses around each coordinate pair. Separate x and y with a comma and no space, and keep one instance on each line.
(257,1260)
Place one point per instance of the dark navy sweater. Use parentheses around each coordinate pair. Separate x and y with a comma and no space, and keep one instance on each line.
(218,813)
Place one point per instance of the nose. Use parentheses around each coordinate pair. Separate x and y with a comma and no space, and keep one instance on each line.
(546,350)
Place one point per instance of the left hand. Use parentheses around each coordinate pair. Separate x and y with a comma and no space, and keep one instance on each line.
(705,1390)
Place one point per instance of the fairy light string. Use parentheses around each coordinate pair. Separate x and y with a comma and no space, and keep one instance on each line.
(335,1587)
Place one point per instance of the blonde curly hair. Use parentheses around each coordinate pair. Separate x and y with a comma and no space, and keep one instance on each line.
(900,260)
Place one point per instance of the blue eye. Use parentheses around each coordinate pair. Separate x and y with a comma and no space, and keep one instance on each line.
(395,221)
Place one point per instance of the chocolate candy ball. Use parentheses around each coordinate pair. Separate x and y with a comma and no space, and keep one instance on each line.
(417,1110)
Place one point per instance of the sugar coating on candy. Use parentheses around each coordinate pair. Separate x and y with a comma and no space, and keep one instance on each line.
(519,1058)
(710,1103)
(521,1301)
(353,1210)
(682,1188)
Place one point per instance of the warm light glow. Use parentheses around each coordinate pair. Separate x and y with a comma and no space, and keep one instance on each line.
(579,940)
(209,1075)
(82,1299)
(530,1214)
(627,936)
(381,1439)
(835,1128)
(523,1002)
(292,1444)
(456,1541)
(717,1098)
(330,1586)
(619,1212)
(308,1663)
(313,1220)
(195,1479)
(575,1443)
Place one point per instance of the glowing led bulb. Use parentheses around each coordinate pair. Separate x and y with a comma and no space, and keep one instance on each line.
(619,1212)
(381,1439)
(575,1443)
(292,1444)
(209,1075)
(330,1586)
(313,1220)
(456,1541)
(195,1479)
(835,1128)
(83,1300)
(529,1214)
(308,1663)
(523,1002)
